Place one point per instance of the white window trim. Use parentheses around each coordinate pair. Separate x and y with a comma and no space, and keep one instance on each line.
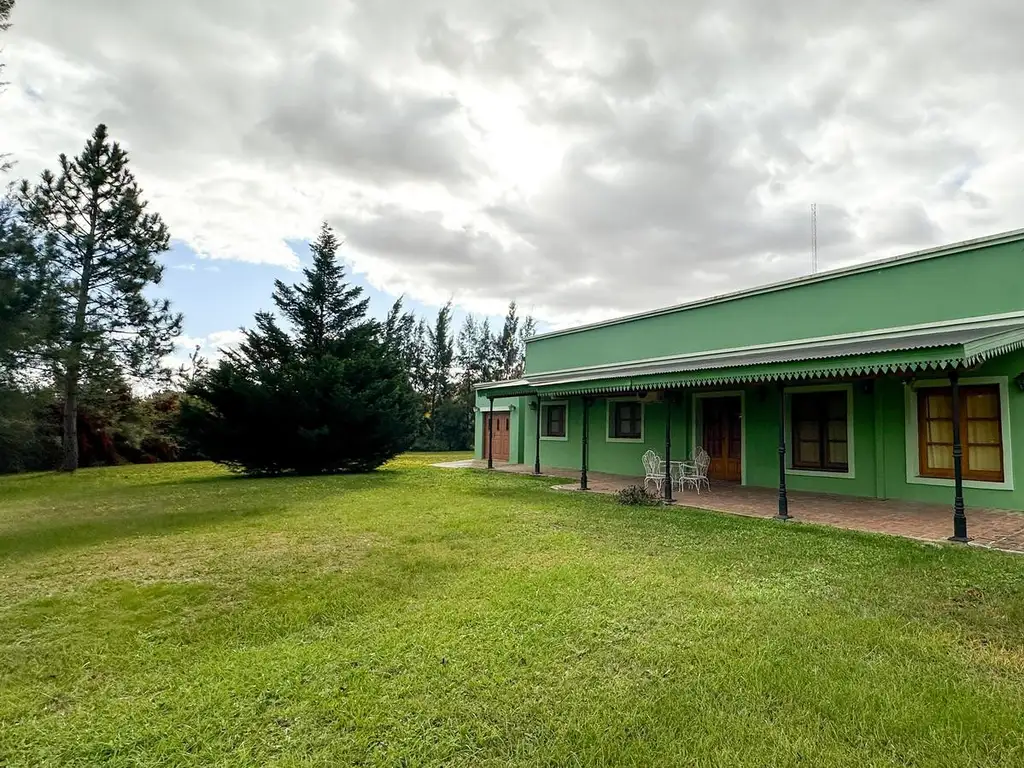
(912,446)
(850,472)
(695,423)
(497,409)
(610,413)
(545,404)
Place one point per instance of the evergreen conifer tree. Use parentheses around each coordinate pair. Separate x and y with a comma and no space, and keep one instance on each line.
(100,254)
(319,396)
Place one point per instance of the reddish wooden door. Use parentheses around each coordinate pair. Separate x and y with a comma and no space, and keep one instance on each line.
(722,435)
(501,435)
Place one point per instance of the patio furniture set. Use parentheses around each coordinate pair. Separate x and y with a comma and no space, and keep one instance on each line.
(682,474)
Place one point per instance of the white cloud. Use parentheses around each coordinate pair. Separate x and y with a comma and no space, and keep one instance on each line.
(586,158)
(211,346)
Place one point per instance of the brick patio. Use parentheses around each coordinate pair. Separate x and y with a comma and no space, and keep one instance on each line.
(993,528)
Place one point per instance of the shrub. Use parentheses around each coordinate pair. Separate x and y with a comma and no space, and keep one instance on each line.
(637,496)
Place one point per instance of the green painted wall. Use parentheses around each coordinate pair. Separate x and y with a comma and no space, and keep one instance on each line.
(907,294)
(616,458)
(879,436)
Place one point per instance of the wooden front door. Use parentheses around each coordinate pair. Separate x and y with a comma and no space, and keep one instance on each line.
(501,435)
(722,431)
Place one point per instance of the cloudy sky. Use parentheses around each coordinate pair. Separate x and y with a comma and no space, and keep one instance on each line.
(585,157)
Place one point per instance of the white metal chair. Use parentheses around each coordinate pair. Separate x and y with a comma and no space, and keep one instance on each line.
(695,473)
(654,470)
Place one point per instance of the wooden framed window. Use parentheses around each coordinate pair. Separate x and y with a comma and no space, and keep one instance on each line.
(820,438)
(627,420)
(553,422)
(981,432)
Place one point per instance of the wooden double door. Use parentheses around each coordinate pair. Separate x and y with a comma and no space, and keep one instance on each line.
(499,429)
(722,436)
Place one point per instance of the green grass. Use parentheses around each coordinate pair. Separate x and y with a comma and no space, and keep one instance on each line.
(175,615)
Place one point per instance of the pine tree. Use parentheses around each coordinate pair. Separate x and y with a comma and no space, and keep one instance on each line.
(321,395)
(528,329)
(189,374)
(324,311)
(508,344)
(24,301)
(466,357)
(6,6)
(397,335)
(419,358)
(441,355)
(487,358)
(102,248)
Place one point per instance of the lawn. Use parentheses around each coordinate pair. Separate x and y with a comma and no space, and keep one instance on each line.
(176,615)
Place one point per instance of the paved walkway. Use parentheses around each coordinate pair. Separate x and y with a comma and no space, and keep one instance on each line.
(994,528)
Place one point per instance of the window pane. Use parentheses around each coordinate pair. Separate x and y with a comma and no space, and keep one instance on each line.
(819,430)
(807,430)
(940,457)
(940,432)
(980,431)
(984,458)
(984,432)
(837,430)
(837,453)
(938,405)
(627,420)
(554,422)
(808,454)
(983,405)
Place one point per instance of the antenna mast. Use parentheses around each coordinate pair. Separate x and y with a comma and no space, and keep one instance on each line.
(814,238)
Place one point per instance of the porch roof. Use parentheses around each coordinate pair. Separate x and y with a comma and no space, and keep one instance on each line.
(957,344)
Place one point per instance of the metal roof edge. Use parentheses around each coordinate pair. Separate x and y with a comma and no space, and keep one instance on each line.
(500,384)
(949,249)
(614,370)
(992,346)
(711,379)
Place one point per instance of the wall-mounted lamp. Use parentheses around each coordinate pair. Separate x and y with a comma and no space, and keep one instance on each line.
(511,408)
(533,405)
(1019,378)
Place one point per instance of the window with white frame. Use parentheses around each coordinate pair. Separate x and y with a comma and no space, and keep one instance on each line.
(626,420)
(981,432)
(553,420)
(819,425)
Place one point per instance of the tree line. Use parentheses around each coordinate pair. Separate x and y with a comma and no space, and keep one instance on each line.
(317,385)
(82,348)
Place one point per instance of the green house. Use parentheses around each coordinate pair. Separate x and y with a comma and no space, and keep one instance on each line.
(888,380)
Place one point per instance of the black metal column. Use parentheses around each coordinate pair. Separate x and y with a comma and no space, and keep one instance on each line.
(668,446)
(536,455)
(783,498)
(490,435)
(959,518)
(586,441)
